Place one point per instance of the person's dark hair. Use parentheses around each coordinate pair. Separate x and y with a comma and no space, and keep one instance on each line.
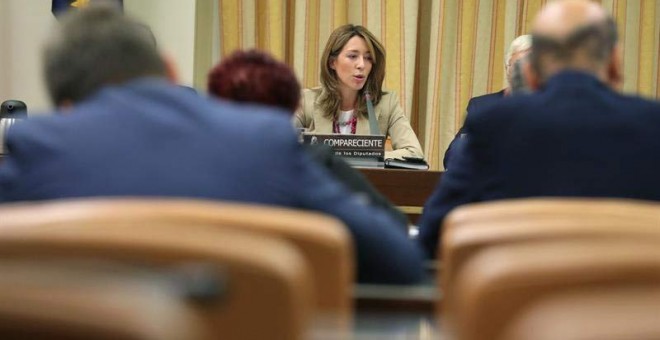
(98,46)
(255,77)
(595,41)
(330,98)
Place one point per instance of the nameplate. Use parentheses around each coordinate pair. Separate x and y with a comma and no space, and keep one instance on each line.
(359,146)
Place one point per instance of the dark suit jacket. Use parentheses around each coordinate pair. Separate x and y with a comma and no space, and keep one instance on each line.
(576,137)
(475,104)
(150,138)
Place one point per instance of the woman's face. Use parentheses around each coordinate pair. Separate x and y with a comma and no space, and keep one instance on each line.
(353,64)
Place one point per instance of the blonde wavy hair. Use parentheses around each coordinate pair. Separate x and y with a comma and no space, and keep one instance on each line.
(330,98)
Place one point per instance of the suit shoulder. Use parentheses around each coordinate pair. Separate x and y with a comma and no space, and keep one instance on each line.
(388,99)
(500,112)
(309,99)
(483,101)
(639,102)
(389,94)
(311,93)
(489,96)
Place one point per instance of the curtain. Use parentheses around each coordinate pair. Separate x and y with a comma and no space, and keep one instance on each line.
(440,53)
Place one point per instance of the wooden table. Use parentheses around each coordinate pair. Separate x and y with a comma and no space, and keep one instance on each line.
(407,189)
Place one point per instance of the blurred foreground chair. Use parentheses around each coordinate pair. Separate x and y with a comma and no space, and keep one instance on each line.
(75,300)
(269,293)
(470,229)
(608,313)
(499,285)
(323,240)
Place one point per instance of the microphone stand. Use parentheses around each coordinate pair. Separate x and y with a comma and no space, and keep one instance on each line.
(373,123)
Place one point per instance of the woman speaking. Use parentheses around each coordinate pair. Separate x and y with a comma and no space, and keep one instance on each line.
(352,68)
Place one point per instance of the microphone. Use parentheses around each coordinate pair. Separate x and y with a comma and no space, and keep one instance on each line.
(10,112)
(373,123)
(13,109)
(5,124)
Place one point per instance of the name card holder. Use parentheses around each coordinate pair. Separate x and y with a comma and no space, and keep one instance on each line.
(362,151)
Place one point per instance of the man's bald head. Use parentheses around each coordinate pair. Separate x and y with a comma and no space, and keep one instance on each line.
(561,18)
(575,34)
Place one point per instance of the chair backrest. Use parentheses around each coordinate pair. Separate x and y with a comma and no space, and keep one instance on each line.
(608,313)
(515,209)
(498,284)
(269,289)
(54,299)
(473,228)
(324,241)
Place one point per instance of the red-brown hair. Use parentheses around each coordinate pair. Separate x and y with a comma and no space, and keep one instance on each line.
(255,77)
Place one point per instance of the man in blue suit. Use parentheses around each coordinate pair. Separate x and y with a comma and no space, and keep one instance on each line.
(517,51)
(576,136)
(128,130)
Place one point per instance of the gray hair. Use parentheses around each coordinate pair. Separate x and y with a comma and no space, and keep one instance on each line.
(95,47)
(521,43)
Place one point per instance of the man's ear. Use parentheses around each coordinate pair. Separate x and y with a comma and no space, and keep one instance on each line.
(615,68)
(532,78)
(65,106)
(170,69)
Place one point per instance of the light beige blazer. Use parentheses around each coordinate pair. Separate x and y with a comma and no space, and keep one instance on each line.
(391,122)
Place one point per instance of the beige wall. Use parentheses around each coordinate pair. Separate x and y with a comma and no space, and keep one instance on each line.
(24,24)
(173,23)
